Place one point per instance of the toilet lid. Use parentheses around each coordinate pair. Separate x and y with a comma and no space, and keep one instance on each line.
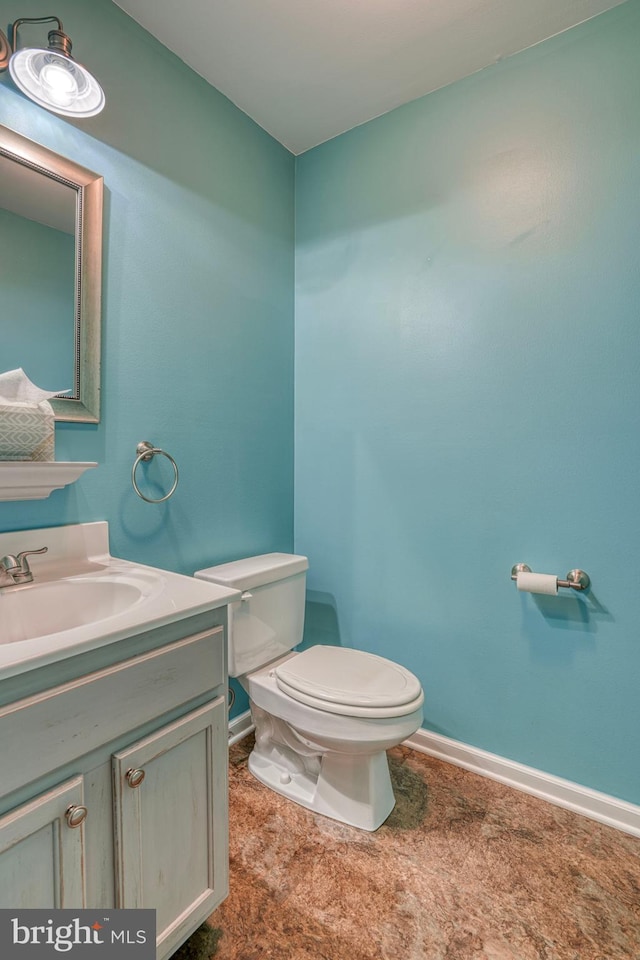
(353,678)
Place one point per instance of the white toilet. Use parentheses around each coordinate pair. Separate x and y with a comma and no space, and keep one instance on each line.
(324,717)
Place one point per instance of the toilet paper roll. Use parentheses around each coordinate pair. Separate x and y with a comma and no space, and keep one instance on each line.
(537,583)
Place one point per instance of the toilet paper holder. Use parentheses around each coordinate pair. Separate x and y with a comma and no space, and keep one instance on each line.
(576,579)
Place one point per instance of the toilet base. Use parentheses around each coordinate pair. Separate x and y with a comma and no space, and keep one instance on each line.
(352,788)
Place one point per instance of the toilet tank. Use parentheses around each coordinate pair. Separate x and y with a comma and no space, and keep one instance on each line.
(269,619)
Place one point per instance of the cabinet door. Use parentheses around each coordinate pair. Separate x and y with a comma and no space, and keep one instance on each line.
(41,855)
(171,828)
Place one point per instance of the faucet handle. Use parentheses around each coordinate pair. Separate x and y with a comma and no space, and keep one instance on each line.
(29,553)
(24,574)
(23,563)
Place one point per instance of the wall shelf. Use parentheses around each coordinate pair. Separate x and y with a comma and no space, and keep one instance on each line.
(36,480)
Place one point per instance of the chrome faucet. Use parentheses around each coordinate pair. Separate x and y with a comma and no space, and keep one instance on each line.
(15,570)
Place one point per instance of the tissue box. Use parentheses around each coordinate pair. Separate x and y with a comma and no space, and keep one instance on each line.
(27,431)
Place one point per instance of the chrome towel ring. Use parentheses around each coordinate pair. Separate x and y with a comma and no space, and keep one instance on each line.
(145,452)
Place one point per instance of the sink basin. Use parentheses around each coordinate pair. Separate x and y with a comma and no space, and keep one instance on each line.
(82,598)
(38,609)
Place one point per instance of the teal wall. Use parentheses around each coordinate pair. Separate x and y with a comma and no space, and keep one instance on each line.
(467,397)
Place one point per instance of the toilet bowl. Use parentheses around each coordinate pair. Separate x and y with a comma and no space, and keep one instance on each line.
(325,716)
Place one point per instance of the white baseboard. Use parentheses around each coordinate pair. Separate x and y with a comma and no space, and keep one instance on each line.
(563,793)
(240,727)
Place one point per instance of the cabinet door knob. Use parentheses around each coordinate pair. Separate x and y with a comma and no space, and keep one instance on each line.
(134,777)
(75,815)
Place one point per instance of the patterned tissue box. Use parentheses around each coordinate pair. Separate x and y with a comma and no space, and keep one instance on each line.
(27,431)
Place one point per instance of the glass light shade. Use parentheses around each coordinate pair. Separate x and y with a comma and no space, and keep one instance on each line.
(56,82)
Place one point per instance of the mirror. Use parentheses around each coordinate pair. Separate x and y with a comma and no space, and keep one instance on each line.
(51,273)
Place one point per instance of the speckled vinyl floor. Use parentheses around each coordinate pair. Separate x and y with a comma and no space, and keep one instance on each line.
(463,869)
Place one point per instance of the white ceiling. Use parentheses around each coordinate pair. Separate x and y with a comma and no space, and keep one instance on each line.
(307,70)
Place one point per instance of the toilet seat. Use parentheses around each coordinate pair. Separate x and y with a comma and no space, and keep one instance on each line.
(349,682)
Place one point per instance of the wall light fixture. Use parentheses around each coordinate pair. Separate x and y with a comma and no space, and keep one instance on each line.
(51,77)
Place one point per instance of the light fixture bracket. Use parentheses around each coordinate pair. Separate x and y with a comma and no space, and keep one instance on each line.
(5,52)
(18,23)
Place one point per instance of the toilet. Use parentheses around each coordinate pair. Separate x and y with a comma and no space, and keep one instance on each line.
(325,716)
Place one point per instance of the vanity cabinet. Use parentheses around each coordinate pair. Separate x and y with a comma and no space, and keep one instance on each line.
(113,785)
